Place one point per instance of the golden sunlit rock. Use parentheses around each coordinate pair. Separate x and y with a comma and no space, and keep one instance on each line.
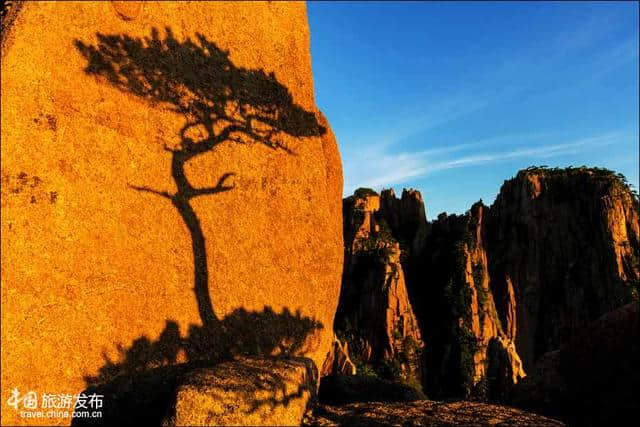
(169,191)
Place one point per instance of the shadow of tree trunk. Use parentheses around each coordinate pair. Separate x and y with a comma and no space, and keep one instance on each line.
(225,104)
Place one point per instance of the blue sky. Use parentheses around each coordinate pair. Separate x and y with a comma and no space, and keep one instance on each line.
(454,98)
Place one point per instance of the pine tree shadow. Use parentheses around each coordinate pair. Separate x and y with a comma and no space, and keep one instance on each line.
(139,386)
(221,104)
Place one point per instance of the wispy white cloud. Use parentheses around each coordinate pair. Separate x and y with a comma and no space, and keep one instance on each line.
(587,53)
(515,75)
(437,112)
(536,152)
(377,168)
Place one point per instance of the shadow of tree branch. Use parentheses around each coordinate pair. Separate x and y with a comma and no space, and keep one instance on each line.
(220,103)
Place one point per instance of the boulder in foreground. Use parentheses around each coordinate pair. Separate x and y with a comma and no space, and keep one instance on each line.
(247,391)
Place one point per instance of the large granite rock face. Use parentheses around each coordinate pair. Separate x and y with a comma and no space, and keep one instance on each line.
(169,191)
(565,246)
(375,315)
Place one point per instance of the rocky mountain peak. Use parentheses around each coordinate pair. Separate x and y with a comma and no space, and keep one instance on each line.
(564,244)
(374,314)
(494,289)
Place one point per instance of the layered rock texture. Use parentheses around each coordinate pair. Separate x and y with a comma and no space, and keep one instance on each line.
(375,315)
(497,288)
(170,192)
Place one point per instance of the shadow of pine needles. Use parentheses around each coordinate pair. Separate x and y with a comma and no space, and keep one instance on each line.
(221,104)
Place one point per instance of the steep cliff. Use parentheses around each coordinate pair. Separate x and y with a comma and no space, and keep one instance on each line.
(468,352)
(564,245)
(406,217)
(494,289)
(374,313)
(161,164)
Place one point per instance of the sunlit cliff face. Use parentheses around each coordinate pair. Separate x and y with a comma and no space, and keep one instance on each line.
(159,182)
